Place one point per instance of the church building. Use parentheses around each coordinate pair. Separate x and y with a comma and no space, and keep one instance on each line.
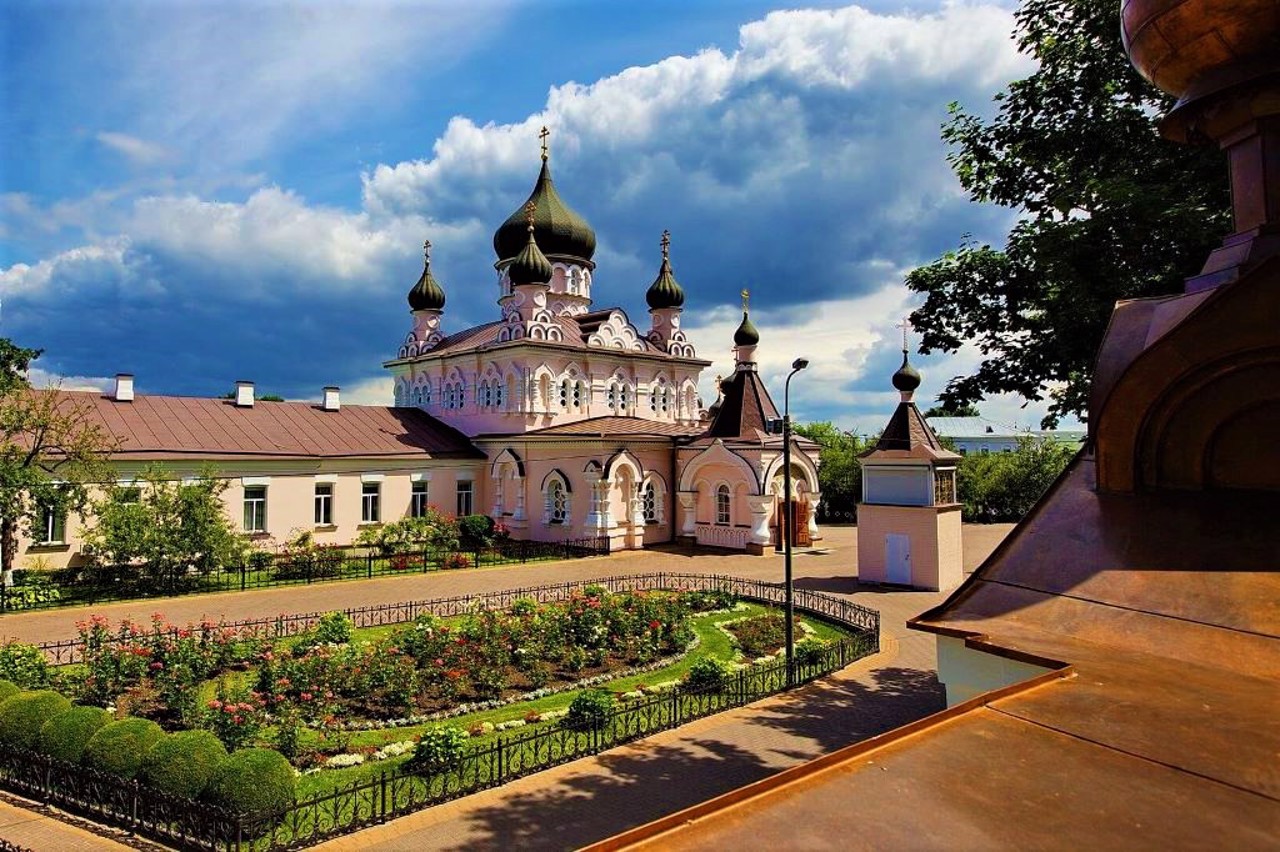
(591,425)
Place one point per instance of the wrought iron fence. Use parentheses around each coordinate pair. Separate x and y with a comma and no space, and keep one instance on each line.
(187,824)
(846,613)
(79,586)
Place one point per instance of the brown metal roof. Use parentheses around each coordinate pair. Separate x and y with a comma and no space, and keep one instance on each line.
(169,427)
(908,436)
(745,410)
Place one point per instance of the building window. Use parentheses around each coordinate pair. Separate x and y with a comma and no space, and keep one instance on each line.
(649,502)
(466,491)
(255,508)
(418,499)
(723,505)
(944,487)
(497,393)
(557,503)
(579,391)
(53,526)
(370,498)
(324,504)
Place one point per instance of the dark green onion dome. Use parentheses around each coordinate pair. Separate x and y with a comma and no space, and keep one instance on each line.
(907,378)
(559,230)
(531,265)
(746,335)
(427,294)
(665,291)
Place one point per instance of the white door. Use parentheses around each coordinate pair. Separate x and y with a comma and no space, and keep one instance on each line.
(897,553)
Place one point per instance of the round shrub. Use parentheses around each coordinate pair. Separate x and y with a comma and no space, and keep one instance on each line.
(707,674)
(810,651)
(183,763)
(253,780)
(22,716)
(590,709)
(8,689)
(66,735)
(439,749)
(119,747)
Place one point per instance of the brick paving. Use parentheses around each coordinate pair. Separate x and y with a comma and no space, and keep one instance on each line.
(596,797)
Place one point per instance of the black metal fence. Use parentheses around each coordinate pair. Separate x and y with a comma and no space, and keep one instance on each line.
(80,586)
(190,825)
(842,612)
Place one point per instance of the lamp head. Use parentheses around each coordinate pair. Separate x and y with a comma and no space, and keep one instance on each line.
(800,363)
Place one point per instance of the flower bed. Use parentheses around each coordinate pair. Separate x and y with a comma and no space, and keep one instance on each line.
(583,634)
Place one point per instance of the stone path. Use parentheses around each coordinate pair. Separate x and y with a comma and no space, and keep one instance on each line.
(596,797)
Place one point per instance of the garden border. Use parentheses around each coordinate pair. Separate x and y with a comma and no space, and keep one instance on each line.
(394,792)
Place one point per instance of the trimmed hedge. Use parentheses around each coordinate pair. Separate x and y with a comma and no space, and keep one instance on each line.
(253,780)
(119,747)
(22,716)
(8,689)
(183,763)
(66,735)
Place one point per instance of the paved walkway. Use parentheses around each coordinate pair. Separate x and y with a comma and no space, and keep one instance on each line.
(40,828)
(596,797)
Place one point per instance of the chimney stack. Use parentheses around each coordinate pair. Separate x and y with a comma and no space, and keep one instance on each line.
(331,401)
(244,394)
(124,387)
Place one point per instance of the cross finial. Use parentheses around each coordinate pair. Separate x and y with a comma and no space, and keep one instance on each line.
(529,209)
(543,134)
(666,244)
(905,325)
(426,252)
(746,299)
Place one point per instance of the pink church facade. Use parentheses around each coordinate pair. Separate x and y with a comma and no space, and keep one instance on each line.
(591,424)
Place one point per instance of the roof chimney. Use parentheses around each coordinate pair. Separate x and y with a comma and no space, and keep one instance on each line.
(244,394)
(124,387)
(331,402)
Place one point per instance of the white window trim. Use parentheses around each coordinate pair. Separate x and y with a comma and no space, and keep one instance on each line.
(372,477)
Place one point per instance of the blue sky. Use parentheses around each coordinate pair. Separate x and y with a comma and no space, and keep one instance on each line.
(204,191)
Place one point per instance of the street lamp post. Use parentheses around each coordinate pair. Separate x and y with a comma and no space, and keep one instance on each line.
(788,520)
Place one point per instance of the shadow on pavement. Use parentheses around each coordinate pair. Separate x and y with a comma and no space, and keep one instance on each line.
(641,783)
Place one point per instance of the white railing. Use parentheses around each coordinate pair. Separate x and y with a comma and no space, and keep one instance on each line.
(715,535)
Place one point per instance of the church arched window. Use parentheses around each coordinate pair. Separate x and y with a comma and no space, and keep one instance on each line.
(557,502)
(651,502)
(565,395)
(724,506)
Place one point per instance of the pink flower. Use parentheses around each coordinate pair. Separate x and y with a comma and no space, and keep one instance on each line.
(156,666)
(214,704)
(306,696)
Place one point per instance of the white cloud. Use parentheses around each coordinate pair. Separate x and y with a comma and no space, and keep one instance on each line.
(43,379)
(138,151)
(379,390)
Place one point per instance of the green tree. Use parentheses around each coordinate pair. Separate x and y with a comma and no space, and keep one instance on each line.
(966,410)
(1108,210)
(50,451)
(1004,486)
(839,474)
(165,528)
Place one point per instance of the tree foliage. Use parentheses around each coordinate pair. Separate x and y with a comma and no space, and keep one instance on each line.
(1004,486)
(839,474)
(163,529)
(966,410)
(1108,210)
(49,452)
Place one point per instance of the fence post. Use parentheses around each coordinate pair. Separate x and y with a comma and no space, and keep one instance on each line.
(4,596)
(369,562)
(382,800)
(244,575)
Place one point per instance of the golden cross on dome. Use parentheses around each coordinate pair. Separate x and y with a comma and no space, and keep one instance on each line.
(543,134)
(529,209)
(426,251)
(905,325)
(666,243)
(746,299)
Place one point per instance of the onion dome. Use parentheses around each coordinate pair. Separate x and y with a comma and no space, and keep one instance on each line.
(530,265)
(559,230)
(427,294)
(746,335)
(665,291)
(907,379)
